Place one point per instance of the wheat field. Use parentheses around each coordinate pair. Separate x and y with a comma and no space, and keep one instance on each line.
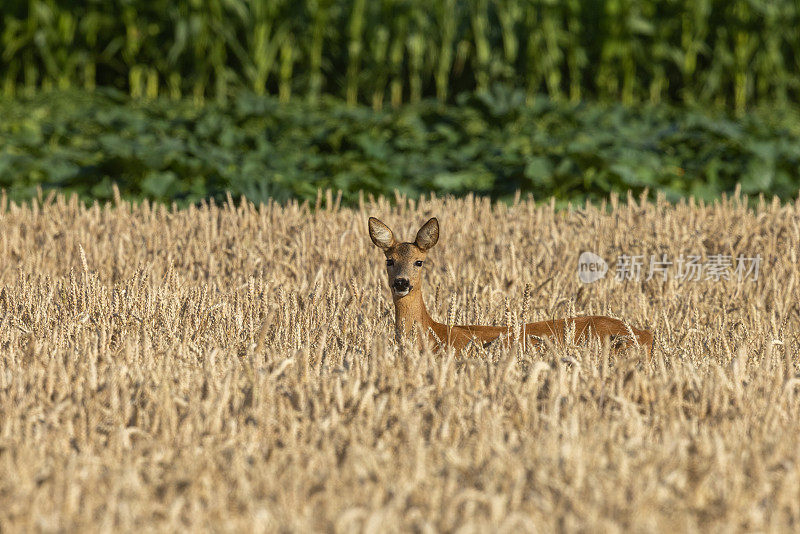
(233,368)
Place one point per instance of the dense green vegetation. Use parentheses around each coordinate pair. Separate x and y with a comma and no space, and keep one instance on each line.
(723,52)
(489,143)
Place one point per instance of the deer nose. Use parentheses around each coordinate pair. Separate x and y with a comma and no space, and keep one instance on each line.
(400,284)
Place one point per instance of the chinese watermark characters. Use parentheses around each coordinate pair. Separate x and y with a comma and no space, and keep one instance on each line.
(688,268)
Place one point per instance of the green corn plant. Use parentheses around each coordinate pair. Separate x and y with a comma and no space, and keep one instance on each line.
(287,65)
(577,59)
(446,18)
(773,76)
(355,48)
(416,50)
(721,63)
(217,57)
(91,24)
(218,49)
(629,44)
(386,20)
(10,78)
(644,60)
(130,51)
(31,73)
(552,57)
(320,15)
(379,55)
(509,13)
(422,48)
(55,40)
(151,84)
(15,39)
(396,57)
(693,40)
(534,66)
(480,22)
(67,59)
(616,62)
(266,44)
(744,48)
(792,40)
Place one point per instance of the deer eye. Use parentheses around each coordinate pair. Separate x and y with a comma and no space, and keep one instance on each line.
(418,263)
(389,263)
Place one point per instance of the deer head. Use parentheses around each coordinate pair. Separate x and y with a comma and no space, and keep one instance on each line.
(404,261)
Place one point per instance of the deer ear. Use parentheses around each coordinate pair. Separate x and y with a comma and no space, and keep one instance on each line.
(428,235)
(380,234)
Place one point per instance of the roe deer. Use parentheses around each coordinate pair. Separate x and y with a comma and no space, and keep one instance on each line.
(404,263)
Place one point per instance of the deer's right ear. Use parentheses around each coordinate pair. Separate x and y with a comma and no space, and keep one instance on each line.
(380,234)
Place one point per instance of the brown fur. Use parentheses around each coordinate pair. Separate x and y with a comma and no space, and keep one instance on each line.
(410,311)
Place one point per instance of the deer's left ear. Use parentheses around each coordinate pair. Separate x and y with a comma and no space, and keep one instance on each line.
(428,235)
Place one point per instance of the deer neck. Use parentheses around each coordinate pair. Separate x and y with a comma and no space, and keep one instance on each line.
(410,312)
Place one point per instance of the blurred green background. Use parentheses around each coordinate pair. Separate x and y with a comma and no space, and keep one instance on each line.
(185,99)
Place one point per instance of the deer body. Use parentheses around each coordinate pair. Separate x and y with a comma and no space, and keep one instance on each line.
(404,263)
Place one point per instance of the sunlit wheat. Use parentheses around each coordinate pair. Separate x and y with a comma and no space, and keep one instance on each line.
(233,368)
